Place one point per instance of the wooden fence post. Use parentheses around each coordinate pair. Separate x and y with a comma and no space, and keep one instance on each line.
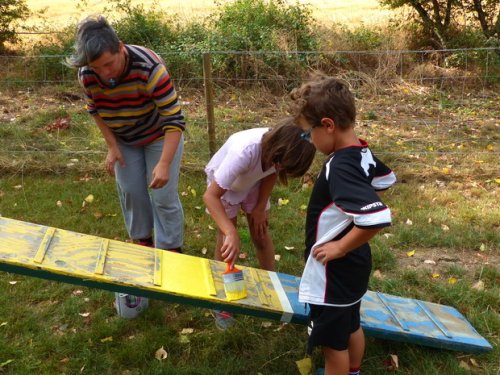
(209,99)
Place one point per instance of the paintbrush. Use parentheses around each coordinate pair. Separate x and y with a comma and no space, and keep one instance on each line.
(234,283)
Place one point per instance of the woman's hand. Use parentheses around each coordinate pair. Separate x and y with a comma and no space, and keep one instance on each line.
(160,175)
(114,155)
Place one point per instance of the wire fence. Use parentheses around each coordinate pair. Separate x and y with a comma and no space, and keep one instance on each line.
(427,108)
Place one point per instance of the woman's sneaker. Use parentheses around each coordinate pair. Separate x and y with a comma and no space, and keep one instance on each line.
(223,319)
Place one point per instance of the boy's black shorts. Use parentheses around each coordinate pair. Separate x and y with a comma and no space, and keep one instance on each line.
(332,326)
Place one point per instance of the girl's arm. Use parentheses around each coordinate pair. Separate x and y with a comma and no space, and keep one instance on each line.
(258,218)
(231,245)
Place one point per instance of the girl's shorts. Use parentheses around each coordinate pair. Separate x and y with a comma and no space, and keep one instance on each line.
(332,326)
(247,205)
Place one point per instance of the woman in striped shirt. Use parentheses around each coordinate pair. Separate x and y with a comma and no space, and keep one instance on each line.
(131,97)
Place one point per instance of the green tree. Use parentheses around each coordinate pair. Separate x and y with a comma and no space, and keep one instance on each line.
(438,18)
(11,11)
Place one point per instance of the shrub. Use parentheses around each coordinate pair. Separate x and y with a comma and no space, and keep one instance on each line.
(250,26)
(11,11)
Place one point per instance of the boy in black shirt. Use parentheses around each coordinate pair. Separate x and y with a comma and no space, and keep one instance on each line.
(343,214)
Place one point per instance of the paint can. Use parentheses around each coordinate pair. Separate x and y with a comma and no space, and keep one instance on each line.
(129,306)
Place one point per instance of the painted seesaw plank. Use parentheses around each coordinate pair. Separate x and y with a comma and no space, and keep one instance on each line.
(57,254)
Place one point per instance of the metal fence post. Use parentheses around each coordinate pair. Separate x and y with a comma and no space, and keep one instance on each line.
(209,99)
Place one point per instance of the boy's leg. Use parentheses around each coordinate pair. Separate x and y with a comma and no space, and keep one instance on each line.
(356,349)
(263,245)
(167,209)
(337,330)
(336,361)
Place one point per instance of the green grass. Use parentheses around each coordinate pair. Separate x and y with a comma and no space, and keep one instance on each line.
(450,199)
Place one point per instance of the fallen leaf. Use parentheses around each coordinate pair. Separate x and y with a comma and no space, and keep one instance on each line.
(242,255)
(429,261)
(388,235)
(410,253)
(452,280)
(18,187)
(392,363)
(277,257)
(184,193)
(436,275)
(161,354)
(59,204)
(77,292)
(187,331)
(474,362)
(183,339)
(478,285)
(464,365)
(409,222)
(378,275)
(98,215)
(89,198)
(12,282)
(3,324)
(204,250)
(211,227)
(266,324)
(107,339)
(303,207)
(304,366)
(193,192)
(283,202)
(482,247)
(445,227)
(289,247)
(85,315)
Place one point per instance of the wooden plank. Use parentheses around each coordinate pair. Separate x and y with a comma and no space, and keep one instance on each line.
(138,270)
(44,245)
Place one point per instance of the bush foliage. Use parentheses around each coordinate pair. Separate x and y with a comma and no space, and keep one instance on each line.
(11,11)
(264,42)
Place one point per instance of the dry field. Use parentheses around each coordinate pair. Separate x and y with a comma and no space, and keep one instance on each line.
(355,12)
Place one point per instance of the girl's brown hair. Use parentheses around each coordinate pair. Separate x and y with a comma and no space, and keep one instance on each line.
(322,97)
(284,145)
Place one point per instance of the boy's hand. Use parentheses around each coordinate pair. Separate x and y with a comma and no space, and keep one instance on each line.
(328,251)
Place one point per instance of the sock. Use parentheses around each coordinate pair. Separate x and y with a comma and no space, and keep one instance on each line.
(146,242)
(354,371)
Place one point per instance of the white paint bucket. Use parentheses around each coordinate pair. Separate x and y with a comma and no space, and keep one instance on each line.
(129,306)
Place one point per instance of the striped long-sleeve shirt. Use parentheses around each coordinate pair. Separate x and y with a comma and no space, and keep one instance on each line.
(143,106)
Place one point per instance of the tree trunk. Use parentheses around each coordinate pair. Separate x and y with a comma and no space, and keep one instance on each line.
(478,7)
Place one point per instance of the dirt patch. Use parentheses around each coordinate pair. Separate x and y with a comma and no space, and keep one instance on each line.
(438,260)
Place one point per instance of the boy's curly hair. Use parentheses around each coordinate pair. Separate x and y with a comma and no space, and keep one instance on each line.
(324,96)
